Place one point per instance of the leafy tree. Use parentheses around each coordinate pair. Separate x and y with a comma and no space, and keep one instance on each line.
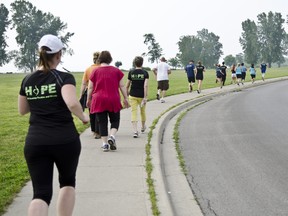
(190,48)
(154,49)
(4,23)
(174,62)
(249,42)
(230,60)
(212,48)
(118,64)
(31,24)
(239,58)
(271,35)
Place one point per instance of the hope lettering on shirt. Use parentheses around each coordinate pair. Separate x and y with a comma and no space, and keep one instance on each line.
(137,76)
(41,92)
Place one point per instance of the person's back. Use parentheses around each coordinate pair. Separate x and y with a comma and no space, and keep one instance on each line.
(238,70)
(263,67)
(200,68)
(137,77)
(233,69)
(223,69)
(47,107)
(190,69)
(106,89)
(252,70)
(162,71)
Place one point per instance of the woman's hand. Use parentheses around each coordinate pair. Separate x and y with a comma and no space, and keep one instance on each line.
(126,103)
(85,119)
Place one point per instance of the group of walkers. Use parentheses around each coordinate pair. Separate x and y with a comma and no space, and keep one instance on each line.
(238,74)
(49,95)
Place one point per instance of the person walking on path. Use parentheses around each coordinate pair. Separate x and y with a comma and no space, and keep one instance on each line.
(104,98)
(244,70)
(49,95)
(190,70)
(263,67)
(252,73)
(238,73)
(233,74)
(223,69)
(162,71)
(200,69)
(83,94)
(219,75)
(137,89)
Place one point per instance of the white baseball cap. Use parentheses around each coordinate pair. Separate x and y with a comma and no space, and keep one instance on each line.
(52,42)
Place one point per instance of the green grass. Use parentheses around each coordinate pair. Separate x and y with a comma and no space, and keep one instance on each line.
(13,170)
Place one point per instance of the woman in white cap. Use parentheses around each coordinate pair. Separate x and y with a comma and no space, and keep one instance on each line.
(49,95)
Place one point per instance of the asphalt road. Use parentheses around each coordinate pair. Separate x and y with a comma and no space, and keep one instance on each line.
(236,152)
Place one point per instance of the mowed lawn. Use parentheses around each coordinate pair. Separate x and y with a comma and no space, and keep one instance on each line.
(13,170)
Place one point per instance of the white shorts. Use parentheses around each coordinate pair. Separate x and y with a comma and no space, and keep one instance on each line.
(233,75)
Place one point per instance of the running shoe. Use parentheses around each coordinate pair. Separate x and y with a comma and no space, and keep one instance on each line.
(112,143)
(143,129)
(135,135)
(158,97)
(105,148)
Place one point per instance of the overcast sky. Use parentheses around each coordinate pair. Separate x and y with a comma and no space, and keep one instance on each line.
(119,26)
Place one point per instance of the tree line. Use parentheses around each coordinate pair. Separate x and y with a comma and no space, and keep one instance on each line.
(261,41)
(265,41)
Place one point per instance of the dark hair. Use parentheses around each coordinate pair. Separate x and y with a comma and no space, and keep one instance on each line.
(252,65)
(138,61)
(45,58)
(105,57)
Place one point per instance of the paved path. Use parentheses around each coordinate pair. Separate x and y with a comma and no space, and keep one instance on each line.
(114,183)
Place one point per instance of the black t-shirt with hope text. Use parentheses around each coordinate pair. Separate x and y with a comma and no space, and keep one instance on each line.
(137,78)
(51,122)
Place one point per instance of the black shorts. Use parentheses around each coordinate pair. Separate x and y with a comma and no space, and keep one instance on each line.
(253,76)
(191,79)
(199,76)
(239,76)
(219,76)
(163,85)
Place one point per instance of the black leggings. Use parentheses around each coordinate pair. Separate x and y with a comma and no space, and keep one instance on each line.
(93,123)
(102,119)
(41,160)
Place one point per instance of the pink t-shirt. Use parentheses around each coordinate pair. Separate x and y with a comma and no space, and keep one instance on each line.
(105,94)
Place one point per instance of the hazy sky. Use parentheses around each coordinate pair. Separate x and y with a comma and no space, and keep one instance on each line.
(119,26)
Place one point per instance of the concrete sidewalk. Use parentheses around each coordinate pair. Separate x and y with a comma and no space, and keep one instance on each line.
(114,183)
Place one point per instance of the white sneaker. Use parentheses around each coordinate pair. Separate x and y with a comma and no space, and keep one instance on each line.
(112,143)
(105,147)
(143,129)
(135,135)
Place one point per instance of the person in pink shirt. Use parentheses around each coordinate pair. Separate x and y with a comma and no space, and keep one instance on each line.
(104,98)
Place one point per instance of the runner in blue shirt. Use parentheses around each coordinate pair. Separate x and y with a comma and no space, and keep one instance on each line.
(244,70)
(252,73)
(190,70)
(238,73)
(263,67)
